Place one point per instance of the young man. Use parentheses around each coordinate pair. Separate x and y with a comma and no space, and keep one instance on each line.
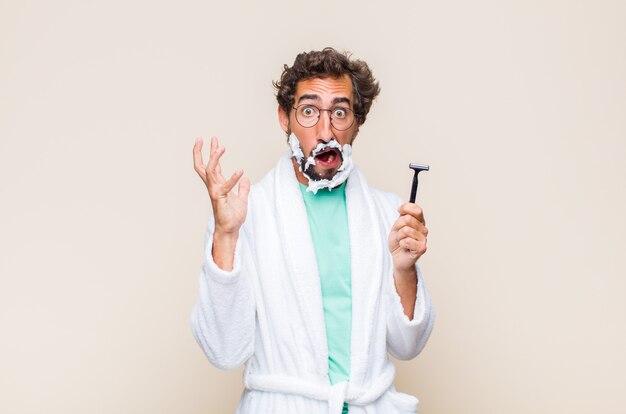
(312,280)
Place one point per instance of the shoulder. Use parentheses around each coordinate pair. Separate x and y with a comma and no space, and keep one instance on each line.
(266,186)
(386,203)
(262,199)
(385,199)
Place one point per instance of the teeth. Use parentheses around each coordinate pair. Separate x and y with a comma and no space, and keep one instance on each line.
(329,156)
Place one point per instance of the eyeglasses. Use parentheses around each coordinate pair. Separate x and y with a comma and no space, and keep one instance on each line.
(341,118)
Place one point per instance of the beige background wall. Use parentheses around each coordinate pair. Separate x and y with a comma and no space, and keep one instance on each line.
(518,106)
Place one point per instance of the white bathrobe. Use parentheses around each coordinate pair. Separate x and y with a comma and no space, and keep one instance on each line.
(267,312)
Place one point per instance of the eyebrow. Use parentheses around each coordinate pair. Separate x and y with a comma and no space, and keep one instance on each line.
(315,97)
(342,99)
(311,96)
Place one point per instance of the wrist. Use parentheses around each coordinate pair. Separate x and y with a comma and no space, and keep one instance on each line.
(225,235)
(224,247)
(405,272)
(225,241)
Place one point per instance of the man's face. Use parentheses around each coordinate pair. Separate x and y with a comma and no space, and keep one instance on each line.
(324,93)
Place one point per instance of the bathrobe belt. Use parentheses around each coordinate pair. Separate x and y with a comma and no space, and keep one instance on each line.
(335,394)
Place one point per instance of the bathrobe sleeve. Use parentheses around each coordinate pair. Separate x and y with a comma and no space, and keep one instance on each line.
(406,338)
(223,319)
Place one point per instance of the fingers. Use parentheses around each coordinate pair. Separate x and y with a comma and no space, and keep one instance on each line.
(410,221)
(198,165)
(416,247)
(214,156)
(413,210)
(411,239)
(409,231)
(211,174)
(244,189)
(214,169)
(417,234)
(228,185)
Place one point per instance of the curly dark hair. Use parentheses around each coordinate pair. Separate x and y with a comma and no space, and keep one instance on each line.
(329,63)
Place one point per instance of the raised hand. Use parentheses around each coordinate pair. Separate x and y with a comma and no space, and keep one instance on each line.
(407,239)
(229,208)
(407,243)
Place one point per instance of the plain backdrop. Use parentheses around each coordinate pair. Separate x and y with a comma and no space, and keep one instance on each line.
(518,106)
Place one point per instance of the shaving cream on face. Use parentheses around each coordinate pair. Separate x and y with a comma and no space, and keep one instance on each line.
(307,167)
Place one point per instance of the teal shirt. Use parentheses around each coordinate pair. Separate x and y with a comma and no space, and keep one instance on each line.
(328,221)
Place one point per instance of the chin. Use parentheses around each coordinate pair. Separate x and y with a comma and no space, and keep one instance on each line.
(323,175)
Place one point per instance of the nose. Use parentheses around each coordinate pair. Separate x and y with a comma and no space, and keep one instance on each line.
(325,129)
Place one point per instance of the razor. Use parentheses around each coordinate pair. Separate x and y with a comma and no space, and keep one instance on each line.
(417,168)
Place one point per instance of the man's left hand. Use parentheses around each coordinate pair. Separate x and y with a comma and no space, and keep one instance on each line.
(407,239)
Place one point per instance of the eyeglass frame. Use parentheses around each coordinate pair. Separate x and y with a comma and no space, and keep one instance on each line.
(319,116)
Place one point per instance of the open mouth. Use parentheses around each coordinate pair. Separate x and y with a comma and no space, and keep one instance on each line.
(328,156)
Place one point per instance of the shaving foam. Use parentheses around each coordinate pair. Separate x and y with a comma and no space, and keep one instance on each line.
(342,172)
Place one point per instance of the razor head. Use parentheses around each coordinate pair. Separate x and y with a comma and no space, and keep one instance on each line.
(418,167)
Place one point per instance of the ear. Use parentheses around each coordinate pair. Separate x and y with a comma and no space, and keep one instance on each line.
(283,119)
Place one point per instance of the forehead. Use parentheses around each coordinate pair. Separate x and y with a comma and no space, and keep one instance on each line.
(325,88)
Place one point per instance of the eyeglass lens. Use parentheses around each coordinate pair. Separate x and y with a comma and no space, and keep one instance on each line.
(308,116)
